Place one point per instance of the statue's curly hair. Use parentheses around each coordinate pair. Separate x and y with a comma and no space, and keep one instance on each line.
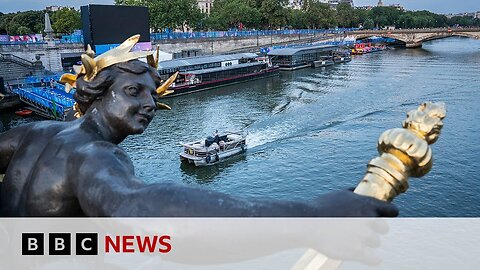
(87,92)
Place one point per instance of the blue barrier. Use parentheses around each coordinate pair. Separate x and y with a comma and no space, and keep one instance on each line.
(49,100)
(77,37)
(55,95)
(219,34)
(46,79)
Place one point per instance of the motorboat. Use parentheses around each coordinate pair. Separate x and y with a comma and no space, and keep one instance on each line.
(342,58)
(213,149)
(325,62)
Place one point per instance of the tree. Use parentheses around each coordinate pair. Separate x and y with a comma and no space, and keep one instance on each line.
(368,23)
(406,20)
(297,19)
(31,20)
(461,21)
(385,16)
(66,20)
(346,15)
(229,13)
(319,15)
(274,12)
(359,17)
(3,23)
(22,30)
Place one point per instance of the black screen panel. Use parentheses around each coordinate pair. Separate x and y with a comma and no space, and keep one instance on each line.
(114,24)
(2,86)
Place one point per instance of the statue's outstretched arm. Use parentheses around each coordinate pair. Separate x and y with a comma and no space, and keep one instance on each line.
(105,184)
(9,143)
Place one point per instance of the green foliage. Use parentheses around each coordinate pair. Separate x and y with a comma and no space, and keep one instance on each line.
(346,15)
(66,20)
(319,15)
(22,30)
(462,21)
(4,19)
(229,13)
(257,14)
(22,22)
(385,16)
(274,13)
(297,19)
(368,23)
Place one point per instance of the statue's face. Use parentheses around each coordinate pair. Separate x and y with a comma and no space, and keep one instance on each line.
(129,104)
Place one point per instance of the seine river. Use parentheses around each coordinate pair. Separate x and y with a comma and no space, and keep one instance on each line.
(314,130)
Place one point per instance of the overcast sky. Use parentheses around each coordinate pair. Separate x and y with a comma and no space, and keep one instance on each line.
(438,6)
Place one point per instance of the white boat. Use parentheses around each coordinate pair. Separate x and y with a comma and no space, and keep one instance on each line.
(213,149)
(325,62)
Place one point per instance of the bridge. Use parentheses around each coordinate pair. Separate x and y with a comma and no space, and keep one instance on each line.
(414,38)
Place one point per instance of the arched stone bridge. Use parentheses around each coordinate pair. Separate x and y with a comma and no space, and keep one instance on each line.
(414,38)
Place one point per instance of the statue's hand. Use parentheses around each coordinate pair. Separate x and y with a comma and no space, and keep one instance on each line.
(348,204)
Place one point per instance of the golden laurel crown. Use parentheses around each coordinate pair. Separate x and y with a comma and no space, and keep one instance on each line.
(91,66)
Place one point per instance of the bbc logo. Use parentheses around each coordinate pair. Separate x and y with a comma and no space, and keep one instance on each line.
(59,244)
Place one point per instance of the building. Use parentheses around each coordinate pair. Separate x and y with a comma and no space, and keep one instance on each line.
(334,3)
(364,7)
(471,14)
(397,6)
(53,8)
(205,6)
(295,4)
(381,4)
(56,8)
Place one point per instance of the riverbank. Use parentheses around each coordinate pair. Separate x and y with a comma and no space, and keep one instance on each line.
(314,130)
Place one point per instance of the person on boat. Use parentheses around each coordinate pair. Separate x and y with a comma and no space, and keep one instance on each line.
(8,88)
(52,83)
(216,137)
(77,168)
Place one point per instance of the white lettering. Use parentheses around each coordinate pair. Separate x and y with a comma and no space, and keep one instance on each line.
(32,244)
(83,243)
(59,244)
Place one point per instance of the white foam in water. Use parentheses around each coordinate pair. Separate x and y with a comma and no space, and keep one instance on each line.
(269,134)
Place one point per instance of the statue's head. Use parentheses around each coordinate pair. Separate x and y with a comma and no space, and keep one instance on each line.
(125,93)
(119,86)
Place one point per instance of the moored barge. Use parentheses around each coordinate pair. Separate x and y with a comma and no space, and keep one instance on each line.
(302,57)
(207,72)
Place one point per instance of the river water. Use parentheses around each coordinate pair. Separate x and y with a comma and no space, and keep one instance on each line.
(314,130)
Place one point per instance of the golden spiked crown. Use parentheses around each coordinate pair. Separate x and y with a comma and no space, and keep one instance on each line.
(91,66)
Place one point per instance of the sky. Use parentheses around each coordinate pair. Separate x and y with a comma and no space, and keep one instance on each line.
(437,6)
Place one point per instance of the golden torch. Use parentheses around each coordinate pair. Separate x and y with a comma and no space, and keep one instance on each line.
(404,152)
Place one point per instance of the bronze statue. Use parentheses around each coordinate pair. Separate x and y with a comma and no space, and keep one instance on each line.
(77,168)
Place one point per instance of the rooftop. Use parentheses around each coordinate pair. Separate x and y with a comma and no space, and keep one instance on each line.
(211,70)
(191,61)
(295,50)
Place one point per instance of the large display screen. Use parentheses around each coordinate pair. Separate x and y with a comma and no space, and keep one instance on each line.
(107,24)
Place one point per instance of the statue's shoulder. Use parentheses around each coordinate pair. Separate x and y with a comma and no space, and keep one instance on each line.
(102,150)
(33,131)
(46,127)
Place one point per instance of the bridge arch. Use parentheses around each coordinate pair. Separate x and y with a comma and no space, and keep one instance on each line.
(415,37)
(379,35)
